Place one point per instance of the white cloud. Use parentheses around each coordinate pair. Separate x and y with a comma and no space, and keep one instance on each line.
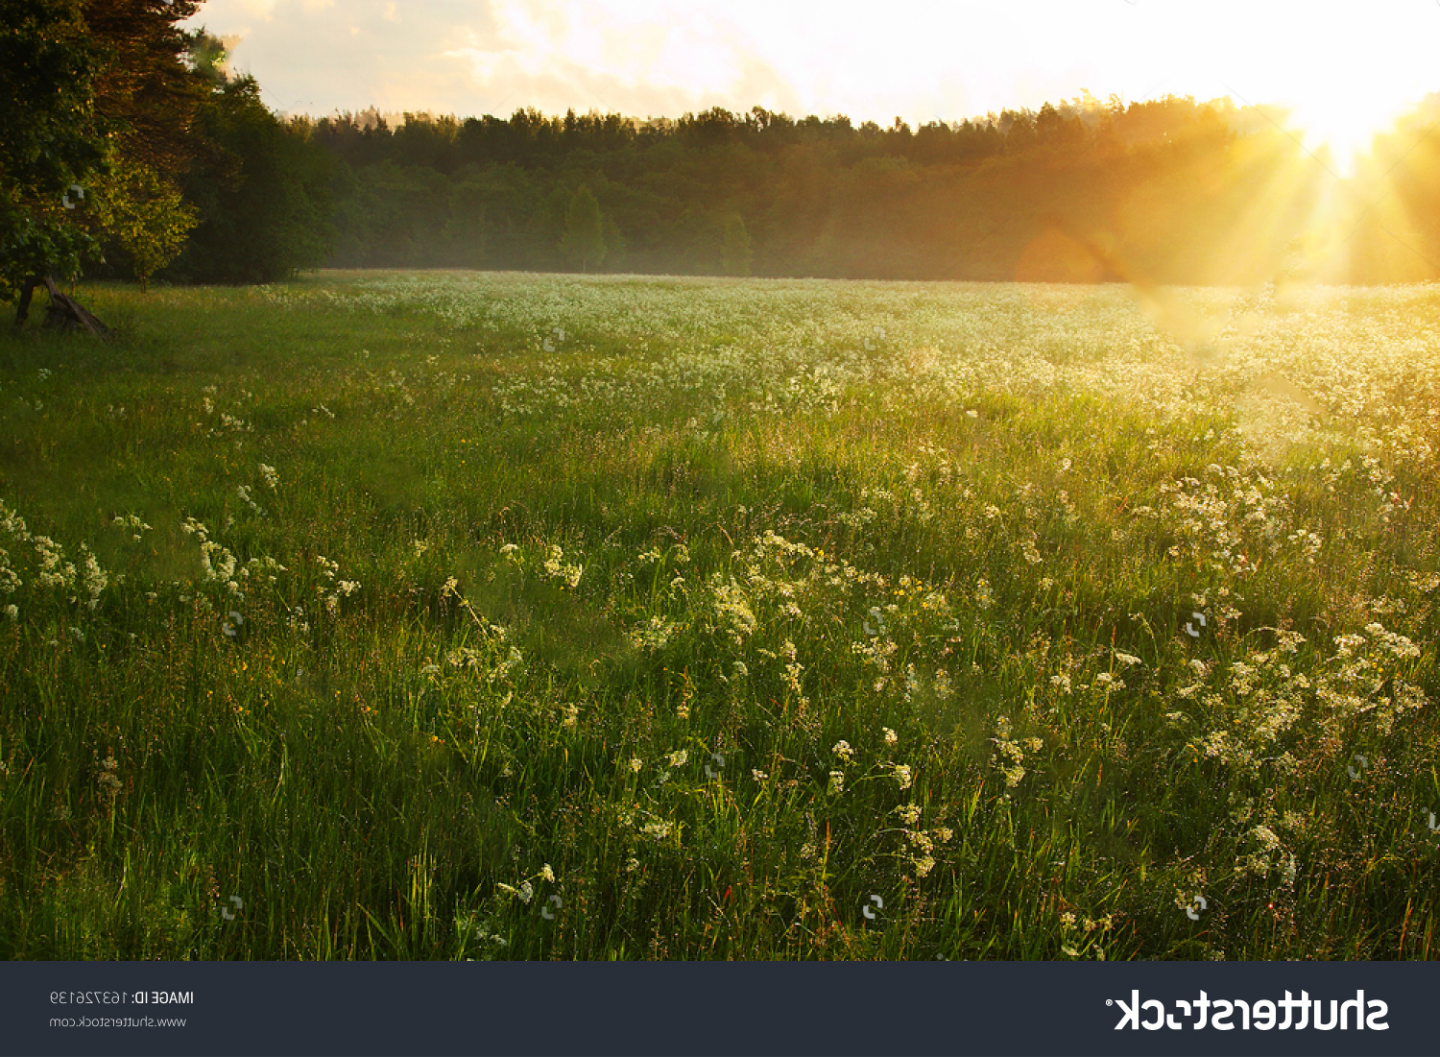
(919,59)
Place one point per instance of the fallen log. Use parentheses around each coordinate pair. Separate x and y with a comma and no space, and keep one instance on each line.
(65,311)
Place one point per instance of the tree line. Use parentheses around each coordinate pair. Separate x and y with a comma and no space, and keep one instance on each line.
(1158,191)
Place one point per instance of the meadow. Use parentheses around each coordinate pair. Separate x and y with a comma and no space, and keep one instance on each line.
(502,616)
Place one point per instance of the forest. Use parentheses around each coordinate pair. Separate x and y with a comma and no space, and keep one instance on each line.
(1160,191)
(209,185)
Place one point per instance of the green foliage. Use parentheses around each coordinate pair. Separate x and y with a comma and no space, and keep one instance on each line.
(1082,191)
(48,140)
(97,94)
(735,252)
(583,244)
(263,204)
(144,215)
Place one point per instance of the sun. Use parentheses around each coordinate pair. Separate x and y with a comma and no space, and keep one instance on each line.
(1339,122)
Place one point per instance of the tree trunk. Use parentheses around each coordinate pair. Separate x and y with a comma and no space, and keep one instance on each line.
(22,312)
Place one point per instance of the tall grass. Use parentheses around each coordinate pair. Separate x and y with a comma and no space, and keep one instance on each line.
(502,616)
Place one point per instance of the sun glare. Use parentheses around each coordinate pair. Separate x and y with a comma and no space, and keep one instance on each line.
(1342,121)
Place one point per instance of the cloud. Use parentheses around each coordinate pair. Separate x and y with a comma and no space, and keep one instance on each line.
(918,59)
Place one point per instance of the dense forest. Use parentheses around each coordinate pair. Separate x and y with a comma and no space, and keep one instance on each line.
(218,188)
(1164,191)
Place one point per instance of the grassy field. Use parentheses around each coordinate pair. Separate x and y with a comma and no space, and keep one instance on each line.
(520,617)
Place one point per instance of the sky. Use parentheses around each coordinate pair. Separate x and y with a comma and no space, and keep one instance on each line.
(1346,65)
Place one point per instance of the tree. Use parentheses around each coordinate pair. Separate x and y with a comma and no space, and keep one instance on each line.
(735,252)
(49,141)
(143,214)
(97,92)
(584,240)
(263,197)
(150,87)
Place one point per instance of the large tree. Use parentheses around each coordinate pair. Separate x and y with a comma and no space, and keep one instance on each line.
(99,102)
(50,141)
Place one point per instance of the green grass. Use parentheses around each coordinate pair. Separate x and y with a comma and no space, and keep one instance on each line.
(722,619)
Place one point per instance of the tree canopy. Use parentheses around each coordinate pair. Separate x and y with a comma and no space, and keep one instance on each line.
(50,141)
(1159,191)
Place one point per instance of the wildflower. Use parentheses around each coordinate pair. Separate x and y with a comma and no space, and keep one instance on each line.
(109,784)
(12,611)
(678,758)
(909,814)
(758,774)
(903,775)
(547,873)
(891,738)
(572,716)
(636,763)
(843,750)
(269,476)
(837,781)
(658,830)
